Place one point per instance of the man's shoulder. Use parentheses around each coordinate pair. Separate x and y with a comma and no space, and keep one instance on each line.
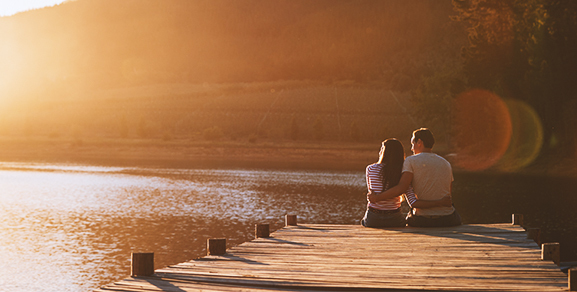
(427,158)
(442,159)
(415,157)
(427,155)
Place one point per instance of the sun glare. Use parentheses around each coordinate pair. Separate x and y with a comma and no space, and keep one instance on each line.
(8,8)
(484,129)
(526,139)
(12,67)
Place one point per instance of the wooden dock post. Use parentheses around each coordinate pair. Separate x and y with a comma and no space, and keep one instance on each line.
(535,234)
(551,251)
(518,219)
(290,220)
(142,264)
(216,246)
(572,279)
(262,231)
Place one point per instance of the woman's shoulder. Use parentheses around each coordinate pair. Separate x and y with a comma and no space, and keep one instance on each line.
(374,166)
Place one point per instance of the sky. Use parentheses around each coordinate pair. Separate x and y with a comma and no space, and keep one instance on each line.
(11,7)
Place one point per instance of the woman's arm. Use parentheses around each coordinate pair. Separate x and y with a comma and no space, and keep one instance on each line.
(395,191)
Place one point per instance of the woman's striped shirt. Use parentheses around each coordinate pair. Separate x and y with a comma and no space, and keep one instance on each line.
(375,183)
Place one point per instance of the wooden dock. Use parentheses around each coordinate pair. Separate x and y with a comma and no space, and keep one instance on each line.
(318,257)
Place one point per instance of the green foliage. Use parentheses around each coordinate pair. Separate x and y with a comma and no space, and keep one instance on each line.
(433,100)
(525,50)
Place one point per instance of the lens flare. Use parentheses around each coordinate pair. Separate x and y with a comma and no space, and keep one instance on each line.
(526,139)
(483,129)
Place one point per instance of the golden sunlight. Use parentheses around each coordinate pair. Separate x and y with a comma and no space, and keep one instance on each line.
(484,129)
(526,139)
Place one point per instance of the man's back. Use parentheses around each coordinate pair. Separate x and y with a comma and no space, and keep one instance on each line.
(432,179)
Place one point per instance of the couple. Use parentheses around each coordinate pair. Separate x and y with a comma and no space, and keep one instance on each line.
(425,178)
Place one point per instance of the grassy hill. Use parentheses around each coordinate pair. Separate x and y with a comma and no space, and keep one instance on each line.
(243,70)
(274,110)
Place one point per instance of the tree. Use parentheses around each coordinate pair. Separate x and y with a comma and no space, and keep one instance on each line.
(525,50)
(433,100)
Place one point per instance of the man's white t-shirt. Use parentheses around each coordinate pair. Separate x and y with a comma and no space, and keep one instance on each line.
(432,178)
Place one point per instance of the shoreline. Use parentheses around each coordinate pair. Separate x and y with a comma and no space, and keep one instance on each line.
(186,153)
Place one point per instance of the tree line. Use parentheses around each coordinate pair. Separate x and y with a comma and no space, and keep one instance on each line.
(519,50)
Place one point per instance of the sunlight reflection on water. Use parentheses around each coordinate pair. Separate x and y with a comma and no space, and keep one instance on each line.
(72,228)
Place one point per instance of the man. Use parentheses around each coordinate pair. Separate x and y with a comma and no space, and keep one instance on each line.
(431,177)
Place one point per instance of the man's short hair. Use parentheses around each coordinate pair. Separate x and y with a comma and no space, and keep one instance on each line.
(426,136)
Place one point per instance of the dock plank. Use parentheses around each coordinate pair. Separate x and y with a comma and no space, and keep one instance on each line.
(492,257)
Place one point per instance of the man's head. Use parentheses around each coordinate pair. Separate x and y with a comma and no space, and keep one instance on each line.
(422,140)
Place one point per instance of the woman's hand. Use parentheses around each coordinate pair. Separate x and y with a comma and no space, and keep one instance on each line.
(371,197)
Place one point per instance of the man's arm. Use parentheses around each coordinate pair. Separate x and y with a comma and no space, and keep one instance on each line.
(412,200)
(443,202)
(400,188)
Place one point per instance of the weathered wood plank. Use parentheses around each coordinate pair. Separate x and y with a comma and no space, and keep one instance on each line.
(494,257)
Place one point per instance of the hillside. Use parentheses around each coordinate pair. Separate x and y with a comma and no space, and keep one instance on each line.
(273,110)
(177,67)
(110,43)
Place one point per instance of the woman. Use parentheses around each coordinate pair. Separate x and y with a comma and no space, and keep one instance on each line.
(381,176)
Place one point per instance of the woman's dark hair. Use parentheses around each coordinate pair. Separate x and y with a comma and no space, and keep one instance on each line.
(393,157)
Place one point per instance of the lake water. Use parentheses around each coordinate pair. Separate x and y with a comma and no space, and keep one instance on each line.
(72,228)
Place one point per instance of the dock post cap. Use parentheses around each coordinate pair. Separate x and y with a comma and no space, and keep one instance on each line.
(262,231)
(142,264)
(517,219)
(551,251)
(290,220)
(216,246)
(572,279)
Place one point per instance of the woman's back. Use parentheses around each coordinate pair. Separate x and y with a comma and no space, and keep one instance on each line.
(375,183)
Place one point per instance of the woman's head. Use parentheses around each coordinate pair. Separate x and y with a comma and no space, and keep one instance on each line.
(392,151)
(392,156)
